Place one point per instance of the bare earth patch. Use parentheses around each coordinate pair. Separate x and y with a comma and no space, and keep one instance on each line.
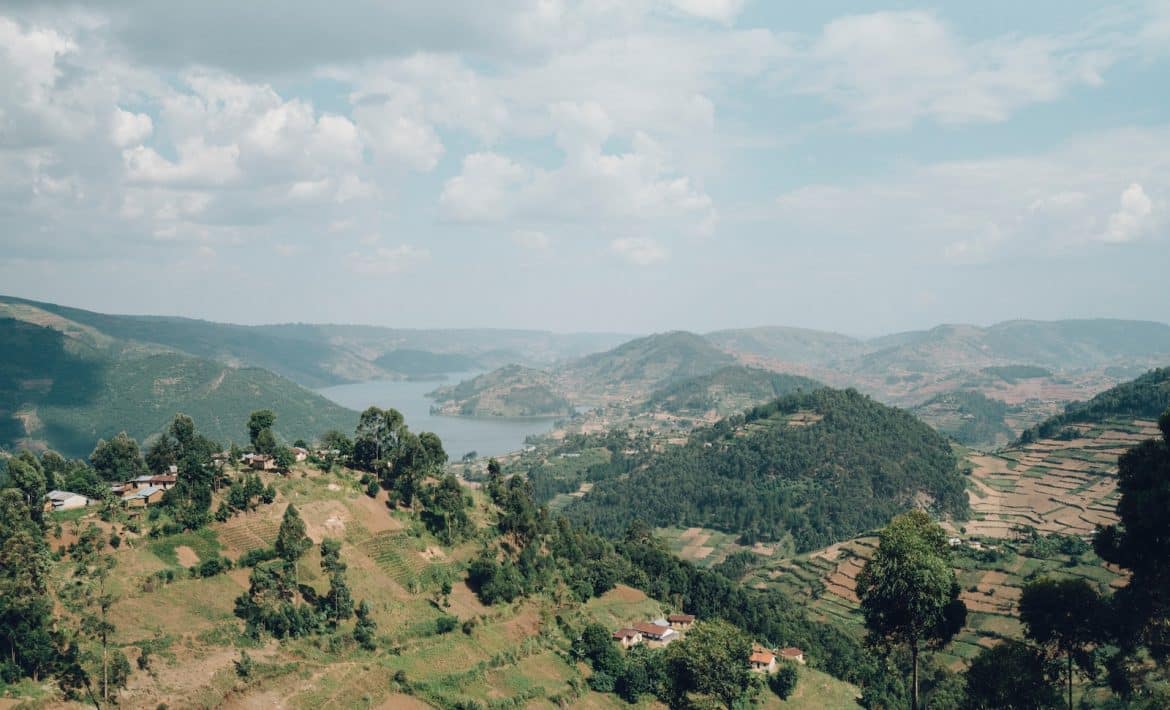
(186,556)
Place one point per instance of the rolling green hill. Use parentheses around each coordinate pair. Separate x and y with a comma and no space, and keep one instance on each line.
(511,391)
(653,360)
(727,390)
(59,391)
(818,467)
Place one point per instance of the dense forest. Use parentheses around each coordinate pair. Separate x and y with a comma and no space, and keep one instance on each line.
(845,466)
(730,386)
(1144,398)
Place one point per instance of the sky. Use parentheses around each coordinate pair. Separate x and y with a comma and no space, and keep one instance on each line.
(615,165)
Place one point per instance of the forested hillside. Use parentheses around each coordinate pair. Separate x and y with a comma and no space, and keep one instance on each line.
(730,389)
(1143,398)
(820,466)
(62,393)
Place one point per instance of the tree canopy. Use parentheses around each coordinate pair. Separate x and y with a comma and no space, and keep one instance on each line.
(848,467)
(908,590)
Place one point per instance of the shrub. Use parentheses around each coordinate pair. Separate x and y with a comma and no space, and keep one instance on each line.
(244,665)
(602,682)
(783,681)
(446,624)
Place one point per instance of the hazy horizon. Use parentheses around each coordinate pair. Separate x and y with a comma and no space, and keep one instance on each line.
(637,167)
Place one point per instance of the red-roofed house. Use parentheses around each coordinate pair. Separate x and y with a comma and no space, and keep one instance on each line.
(627,637)
(681,622)
(655,635)
(792,653)
(762,660)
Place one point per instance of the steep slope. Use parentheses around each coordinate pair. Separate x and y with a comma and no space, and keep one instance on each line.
(511,391)
(311,363)
(819,467)
(60,392)
(727,390)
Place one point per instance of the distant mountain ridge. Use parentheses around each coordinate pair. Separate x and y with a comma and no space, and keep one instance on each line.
(1061,344)
(322,355)
(648,362)
(632,369)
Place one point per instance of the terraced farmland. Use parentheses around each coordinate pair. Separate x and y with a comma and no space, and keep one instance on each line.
(1063,486)
(247,532)
(399,556)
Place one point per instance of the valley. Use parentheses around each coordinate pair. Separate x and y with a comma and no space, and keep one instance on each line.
(697,478)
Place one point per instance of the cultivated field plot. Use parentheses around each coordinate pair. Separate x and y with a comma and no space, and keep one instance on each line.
(706,547)
(1061,486)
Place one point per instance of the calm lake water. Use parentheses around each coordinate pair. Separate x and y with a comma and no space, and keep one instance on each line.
(487,437)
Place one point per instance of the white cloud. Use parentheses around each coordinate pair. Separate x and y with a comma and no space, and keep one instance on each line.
(633,187)
(483,189)
(127,128)
(998,207)
(1128,222)
(199,165)
(889,70)
(396,136)
(531,239)
(383,261)
(724,11)
(639,250)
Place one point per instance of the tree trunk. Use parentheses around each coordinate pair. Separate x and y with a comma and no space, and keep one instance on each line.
(1070,664)
(914,685)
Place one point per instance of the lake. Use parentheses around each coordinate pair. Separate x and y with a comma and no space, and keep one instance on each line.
(487,436)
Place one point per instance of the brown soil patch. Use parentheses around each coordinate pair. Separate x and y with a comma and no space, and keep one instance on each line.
(622,593)
(695,552)
(524,624)
(186,556)
(372,513)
